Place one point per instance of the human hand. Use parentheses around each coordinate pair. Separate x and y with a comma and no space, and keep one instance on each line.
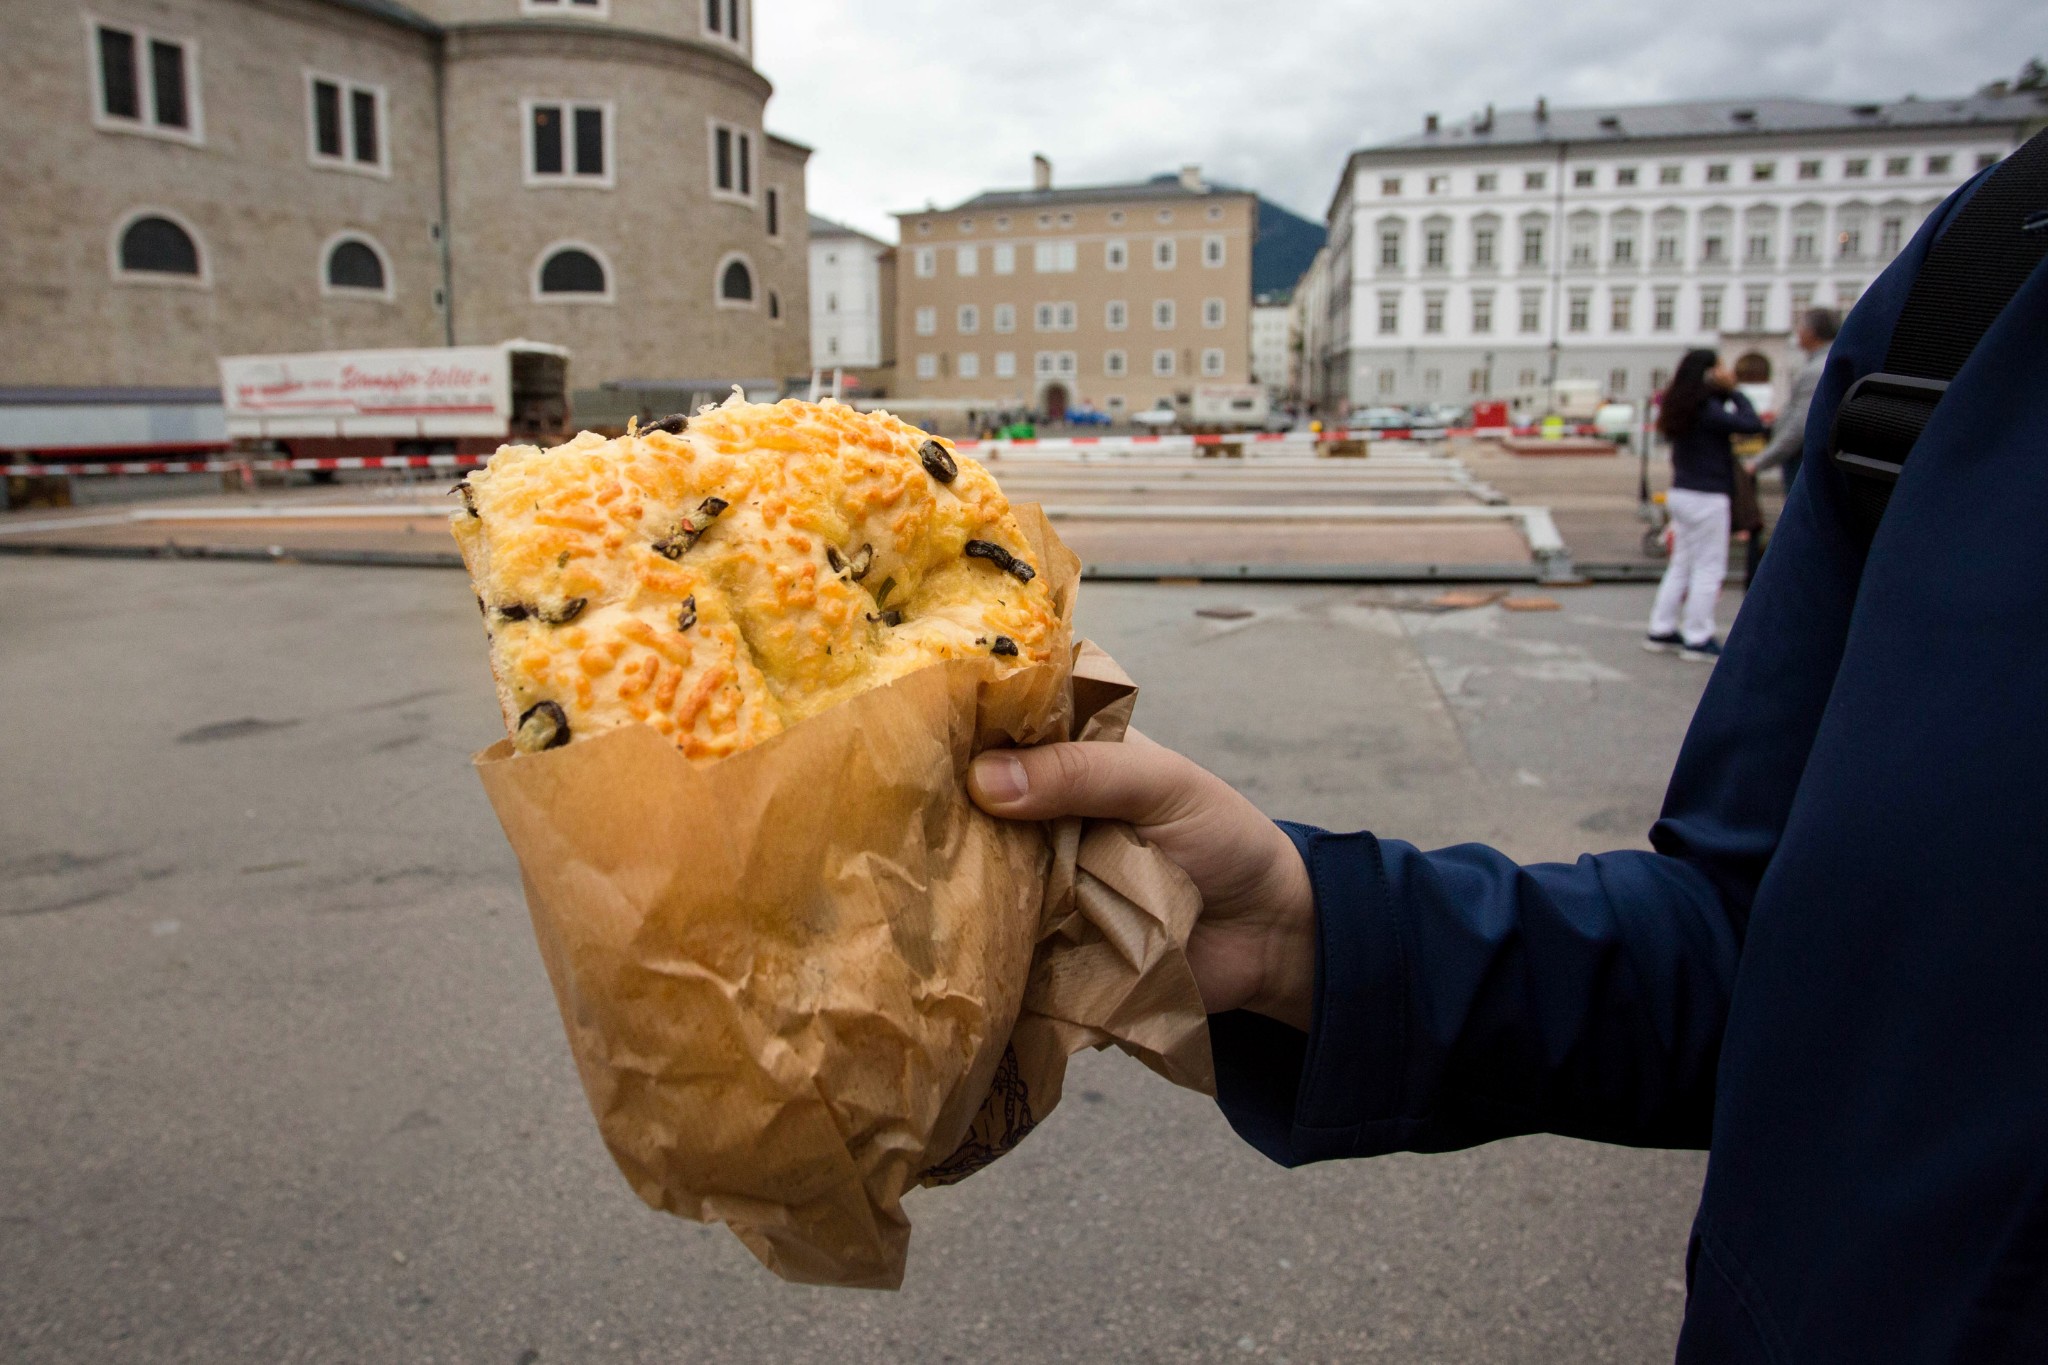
(1254,946)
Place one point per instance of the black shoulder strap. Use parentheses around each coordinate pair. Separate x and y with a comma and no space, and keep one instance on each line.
(1971,272)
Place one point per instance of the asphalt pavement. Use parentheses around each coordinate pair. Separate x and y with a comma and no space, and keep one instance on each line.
(281,1078)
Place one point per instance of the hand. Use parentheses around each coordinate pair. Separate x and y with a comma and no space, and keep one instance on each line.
(1255,945)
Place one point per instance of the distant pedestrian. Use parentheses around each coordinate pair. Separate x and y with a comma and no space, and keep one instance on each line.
(1701,410)
(1815,334)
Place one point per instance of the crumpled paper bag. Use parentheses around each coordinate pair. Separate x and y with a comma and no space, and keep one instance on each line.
(803,978)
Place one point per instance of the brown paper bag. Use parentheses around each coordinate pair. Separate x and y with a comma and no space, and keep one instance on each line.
(801,979)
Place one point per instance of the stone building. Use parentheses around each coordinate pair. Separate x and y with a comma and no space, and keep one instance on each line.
(192,178)
(1114,295)
(1494,256)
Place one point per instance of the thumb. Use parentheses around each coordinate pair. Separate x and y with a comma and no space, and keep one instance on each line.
(1136,781)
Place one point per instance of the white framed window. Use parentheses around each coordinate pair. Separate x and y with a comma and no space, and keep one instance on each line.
(1116,217)
(1621,307)
(734,285)
(771,207)
(1066,220)
(1052,258)
(1006,364)
(1004,259)
(1164,215)
(1045,364)
(1384,380)
(583,9)
(966,225)
(1006,317)
(967,365)
(1065,364)
(1162,315)
(732,162)
(1482,312)
(967,319)
(572,272)
(1756,304)
(723,20)
(1162,362)
(924,228)
(1212,251)
(1041,318)
(925,261)
(1390,314)
(1066,316)
(1045,220)
(355,265)
(967,260)
(1486,182)
(1116,255)
(1116,315)
(1579,310)
(1212,312)
(144,82)
(926,321)
(1115,364)
(1531,313)
(1164,254)
(1433,313)
(1215,213)
(567,143)
(1710,310)
(1212,361)
(157,246)
(345,125)
(927,366)
(1664,310)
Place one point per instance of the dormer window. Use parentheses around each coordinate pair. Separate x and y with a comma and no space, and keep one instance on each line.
(722,20)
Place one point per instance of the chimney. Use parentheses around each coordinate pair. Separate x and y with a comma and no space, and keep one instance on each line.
(1486,120)
(1542,109)
(1041,172)
(1429,123)
(1191,179)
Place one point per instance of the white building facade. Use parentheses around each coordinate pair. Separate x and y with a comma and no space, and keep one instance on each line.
(848,303)
(1272,337)
(1491,258)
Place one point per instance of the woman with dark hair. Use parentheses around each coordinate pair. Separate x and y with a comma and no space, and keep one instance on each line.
(1701,410)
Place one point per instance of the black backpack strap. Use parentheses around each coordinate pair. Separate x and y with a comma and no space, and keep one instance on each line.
(1971,272)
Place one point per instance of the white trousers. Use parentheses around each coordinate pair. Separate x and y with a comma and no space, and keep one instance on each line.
(1699,561)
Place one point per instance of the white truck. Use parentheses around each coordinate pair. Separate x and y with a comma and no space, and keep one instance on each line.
(453,400)
(1228,407)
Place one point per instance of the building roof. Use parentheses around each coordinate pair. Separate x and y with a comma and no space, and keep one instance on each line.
(1717,119)
(391,12)
(1159,187)
(825,227)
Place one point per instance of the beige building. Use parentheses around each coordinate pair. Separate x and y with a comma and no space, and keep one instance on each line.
(1114,296)
(192,178)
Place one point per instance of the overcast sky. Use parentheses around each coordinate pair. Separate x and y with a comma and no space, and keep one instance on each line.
(909,101)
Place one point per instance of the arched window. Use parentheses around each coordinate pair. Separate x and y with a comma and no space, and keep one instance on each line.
(735,283)
(356,266)
(573,272)
(774,305)
(153,245)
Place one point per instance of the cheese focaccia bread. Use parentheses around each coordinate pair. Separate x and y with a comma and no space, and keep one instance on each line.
(723,576)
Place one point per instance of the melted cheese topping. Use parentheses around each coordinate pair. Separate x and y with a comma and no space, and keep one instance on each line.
(616,587)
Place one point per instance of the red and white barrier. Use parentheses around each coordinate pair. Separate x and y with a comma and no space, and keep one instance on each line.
(219,466)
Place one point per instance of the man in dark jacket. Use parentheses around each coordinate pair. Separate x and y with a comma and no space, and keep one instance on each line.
(1832,971)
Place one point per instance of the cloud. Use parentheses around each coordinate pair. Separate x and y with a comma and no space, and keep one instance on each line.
(916,101)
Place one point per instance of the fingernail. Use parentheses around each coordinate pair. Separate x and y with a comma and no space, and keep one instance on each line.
(1001,777)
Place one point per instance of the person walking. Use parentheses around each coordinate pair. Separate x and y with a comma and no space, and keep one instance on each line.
(1815,335)
(1702,409)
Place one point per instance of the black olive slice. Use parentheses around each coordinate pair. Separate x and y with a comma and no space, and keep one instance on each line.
(542,726)
(1003,645)
(1001,558)
(687,617)
(938,462)
(673,424)
(468,496)
(569,611)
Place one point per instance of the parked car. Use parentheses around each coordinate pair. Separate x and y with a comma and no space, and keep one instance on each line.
(1381,419)
(1159,416)
(1085,416)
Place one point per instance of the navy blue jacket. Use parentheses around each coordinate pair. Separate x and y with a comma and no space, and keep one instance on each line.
(1702,459)
(1832,971)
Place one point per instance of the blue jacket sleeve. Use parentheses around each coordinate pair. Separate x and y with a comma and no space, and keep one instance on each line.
(1462,998)
(1732,415)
